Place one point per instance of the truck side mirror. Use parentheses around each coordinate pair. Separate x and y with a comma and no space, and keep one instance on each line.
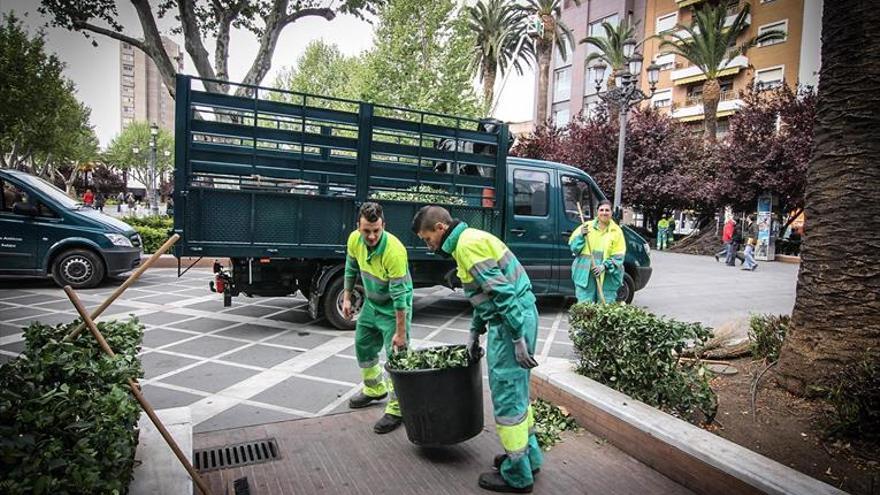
(27,209)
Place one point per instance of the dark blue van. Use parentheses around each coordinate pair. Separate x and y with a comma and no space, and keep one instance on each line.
(44,232)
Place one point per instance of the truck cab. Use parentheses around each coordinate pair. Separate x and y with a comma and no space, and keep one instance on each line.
(541,215)
(44,232)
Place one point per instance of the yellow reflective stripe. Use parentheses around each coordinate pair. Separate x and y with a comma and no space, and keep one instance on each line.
(511,420)
(374,383)
(399,280)
(514,438)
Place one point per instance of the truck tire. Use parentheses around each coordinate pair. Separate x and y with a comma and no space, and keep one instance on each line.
(332,302)
(78,268)
(627,290)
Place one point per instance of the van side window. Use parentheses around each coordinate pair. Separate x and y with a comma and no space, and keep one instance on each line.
(11,195)
(530,193)
(576,191)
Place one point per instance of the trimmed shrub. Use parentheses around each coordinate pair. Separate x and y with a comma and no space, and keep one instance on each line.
(67,418)
(855,399)
(766,333)
(637,353)
(154,221)
(420,194)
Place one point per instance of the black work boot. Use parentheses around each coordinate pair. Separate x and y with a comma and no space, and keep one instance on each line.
(363,400)
(387,423)
(499,459)
(493,481)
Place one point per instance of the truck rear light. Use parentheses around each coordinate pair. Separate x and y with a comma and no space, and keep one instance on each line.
(265,261)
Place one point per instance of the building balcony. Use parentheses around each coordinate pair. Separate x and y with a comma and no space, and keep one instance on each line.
(688,74)
(732,12)
(687,3)
(692,107)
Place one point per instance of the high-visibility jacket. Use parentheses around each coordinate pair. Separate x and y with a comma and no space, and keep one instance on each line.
(663,223)
(384,272)
(493,279)
(609,250)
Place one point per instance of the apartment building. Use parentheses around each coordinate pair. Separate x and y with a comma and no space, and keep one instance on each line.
(572,85)
(142,94)
(790,61)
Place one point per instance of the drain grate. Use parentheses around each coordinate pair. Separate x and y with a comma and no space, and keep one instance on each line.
(241,454)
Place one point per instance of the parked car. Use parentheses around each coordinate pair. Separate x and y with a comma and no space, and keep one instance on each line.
(44,232)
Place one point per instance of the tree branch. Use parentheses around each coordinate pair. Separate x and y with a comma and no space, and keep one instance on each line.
(194,46)
(79,25)
(275,23)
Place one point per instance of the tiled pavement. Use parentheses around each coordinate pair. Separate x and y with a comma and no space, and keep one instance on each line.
(260,361)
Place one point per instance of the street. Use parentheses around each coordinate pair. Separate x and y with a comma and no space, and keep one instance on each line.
(266,360)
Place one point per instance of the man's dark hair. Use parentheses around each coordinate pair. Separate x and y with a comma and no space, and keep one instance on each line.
(603,203)
(429,216)
(371,212)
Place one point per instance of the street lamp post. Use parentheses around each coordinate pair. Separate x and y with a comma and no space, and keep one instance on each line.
(154,204)
(625,95)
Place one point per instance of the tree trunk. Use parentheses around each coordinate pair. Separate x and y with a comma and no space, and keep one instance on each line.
(836,317)
(489,75)
(545,49)
(711,97)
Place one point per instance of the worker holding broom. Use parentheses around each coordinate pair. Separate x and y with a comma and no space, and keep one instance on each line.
(504,307)
(385,317)
(599,248)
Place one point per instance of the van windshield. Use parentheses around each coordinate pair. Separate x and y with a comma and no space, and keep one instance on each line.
(50,190)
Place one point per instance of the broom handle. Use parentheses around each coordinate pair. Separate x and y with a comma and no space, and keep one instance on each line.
(592,259)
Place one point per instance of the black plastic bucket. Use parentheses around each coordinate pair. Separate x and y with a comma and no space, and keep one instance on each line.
(440,406)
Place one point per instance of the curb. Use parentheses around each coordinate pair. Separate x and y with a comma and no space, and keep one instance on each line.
(170,261)
(691,456)
(784,258)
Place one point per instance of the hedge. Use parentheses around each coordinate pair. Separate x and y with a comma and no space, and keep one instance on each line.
(68,422)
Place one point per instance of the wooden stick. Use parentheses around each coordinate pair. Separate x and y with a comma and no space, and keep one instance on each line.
(135,390)
(710,361)
(592,259)
(125,285)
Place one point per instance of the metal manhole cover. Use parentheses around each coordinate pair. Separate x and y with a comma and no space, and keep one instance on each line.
(240,454)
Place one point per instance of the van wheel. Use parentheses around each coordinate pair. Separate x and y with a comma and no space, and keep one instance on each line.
(78,268)
(332,300)
(627,290)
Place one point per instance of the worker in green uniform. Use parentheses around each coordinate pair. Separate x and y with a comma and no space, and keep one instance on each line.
(662,232)
(501,294)
(384,319)
(604,238)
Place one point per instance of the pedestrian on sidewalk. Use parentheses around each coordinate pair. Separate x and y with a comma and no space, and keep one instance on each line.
(88,198)
(504,307)
(732,248)
(120,199)
(726,236)
(750,263)
(608,245)
(99,201)
(384,319)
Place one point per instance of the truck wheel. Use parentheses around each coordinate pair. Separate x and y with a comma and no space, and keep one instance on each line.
(627,290)
(332,297)
(78,268)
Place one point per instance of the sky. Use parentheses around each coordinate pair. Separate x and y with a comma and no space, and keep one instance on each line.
(95,70)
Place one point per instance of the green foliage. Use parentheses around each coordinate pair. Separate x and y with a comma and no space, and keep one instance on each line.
(154,230)
(610,46)
(421,61)
(42,125)
(766,333)
(636,352)
(120,153)
(550,422)
(420,194)
(455,356)
(67,419)
(855,398)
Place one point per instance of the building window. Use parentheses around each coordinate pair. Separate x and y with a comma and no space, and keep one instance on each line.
(591,105)
(662,99)
(561,117)
(127,81)
(776,26)
(770,78)
(558,59)
(562,84)
(666,61)
(530,193)
(666,22)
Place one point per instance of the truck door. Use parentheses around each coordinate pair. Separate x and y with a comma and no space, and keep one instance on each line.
(574,190)
(18,236)
(531,225)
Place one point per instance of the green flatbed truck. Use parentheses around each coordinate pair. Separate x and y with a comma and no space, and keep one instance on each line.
(273,182)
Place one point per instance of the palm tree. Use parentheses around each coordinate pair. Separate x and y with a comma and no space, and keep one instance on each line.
(555,33)
(499,28)
(710,45)
(610,47)
(835,320)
